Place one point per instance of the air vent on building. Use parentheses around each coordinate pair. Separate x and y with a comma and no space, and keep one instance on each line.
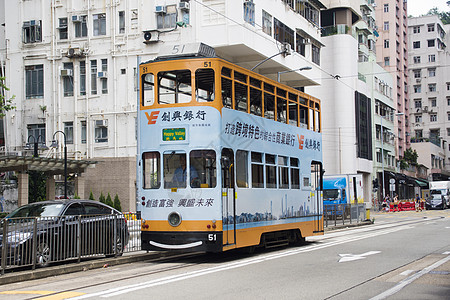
(66,72)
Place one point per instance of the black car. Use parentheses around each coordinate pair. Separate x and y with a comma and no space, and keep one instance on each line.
(49,231)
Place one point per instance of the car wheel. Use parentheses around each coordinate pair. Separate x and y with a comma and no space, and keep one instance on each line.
(115,245)
(43,254)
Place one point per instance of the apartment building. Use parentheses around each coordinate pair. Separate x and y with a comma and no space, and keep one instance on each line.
(392,54)
(429,73)
(72,67)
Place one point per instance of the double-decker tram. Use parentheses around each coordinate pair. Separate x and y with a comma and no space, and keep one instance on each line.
(227,158)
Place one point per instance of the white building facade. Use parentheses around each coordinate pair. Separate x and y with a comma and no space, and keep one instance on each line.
(429,73)
(72,67)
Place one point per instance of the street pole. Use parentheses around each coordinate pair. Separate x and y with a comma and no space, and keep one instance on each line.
(300,69)
(382,157)
(65,159)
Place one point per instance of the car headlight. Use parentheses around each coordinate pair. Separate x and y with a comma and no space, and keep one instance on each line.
(18,237)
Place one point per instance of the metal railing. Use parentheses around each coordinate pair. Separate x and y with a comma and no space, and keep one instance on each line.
(44,240)
(342,214)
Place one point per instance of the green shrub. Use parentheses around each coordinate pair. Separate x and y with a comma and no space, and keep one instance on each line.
(91,196)
(117,203)
(102,198)
(109,201)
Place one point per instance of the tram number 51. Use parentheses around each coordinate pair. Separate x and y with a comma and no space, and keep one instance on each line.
(212,237)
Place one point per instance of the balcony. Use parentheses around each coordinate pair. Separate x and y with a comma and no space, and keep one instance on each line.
(434,140)
(337,29)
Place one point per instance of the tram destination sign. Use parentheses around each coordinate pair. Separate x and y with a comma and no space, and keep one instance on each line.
(174,134)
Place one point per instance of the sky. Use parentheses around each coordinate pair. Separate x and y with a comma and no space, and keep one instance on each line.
(421,7)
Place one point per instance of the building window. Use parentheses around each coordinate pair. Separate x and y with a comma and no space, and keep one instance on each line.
(418,103)
(431,58)
(104,79)
(386,61)
(121,22)
(315,54)
(82,78)
(433,118)
(34,81)
(417,73)
(167,20)
(32,31)
(249,12)
(83,132)
(419,133)
(416,45)
(283,33)
(419,119)
(433,102)
(266,22)
(63,29)
(430,27)
(417,88)
(80,24)
(416,29)
(94,77)
(386,26)
(301,45)
(432,72)
(416,59)
(68,130)
(386,8)
(37,131)
(432,87)
(101,131)
(68,80)
(448,116)
(448,101)
(430,43)
(386,43)
(99,24)
(448,86)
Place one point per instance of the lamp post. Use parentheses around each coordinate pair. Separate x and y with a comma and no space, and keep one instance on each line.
(54,144)
(285,50)
(35,143)
(282,72)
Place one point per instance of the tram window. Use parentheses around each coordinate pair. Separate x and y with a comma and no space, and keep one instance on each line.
(283,172)
(148,93)
(303,101)
(269,88)
(281,93)
(295,173)
(271,171)
(255,101)
(269,106)
(303,116)
(226,72)
(241,77)
(151,170)
(240,97)
(174,87)
(227,93)
(175,170)
(242,168)
(281,110)
(311,119)
(257,170)
(292,97)
(293,113)
(317,121)
(255,82)
(203,163)
(204,85)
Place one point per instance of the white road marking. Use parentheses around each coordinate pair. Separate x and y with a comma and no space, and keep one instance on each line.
(165,280)
(352,257)
(409,280)
(446,253)
(406,273)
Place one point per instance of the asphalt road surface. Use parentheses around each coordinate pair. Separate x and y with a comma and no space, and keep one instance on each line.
(403,255)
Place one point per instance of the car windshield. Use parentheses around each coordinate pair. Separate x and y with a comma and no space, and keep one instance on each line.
(37,210)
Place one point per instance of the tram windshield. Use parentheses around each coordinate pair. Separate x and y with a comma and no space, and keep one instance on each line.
(333,194)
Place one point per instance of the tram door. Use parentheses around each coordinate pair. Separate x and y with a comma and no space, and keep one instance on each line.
(316,188)
(228,197)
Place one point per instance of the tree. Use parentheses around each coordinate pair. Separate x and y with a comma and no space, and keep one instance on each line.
(109,200)
(36,186)
(443,16)
(117,203)
(91,196)
(5,104)
(101,198)
(409,158)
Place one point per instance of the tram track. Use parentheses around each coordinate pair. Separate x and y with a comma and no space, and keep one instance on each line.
(202,258)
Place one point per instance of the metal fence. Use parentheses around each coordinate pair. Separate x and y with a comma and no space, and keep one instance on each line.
(44,240)
(342,214)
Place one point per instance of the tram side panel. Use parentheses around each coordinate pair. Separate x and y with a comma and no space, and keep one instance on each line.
(268,207)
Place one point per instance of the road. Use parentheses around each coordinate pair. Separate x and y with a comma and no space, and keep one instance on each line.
(403,255)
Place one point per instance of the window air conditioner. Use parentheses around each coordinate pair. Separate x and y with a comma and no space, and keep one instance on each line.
(160,9)
(184,5)
(101,123)
(76,19)
(66,72)
(102,74)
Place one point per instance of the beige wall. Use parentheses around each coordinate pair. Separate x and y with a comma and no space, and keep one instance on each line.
(114,176)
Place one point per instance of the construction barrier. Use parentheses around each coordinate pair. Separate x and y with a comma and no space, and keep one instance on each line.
(404,206)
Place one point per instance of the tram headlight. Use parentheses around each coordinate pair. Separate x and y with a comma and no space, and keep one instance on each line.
(174,219)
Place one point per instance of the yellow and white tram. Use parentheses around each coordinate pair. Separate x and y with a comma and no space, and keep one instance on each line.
(227,158)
